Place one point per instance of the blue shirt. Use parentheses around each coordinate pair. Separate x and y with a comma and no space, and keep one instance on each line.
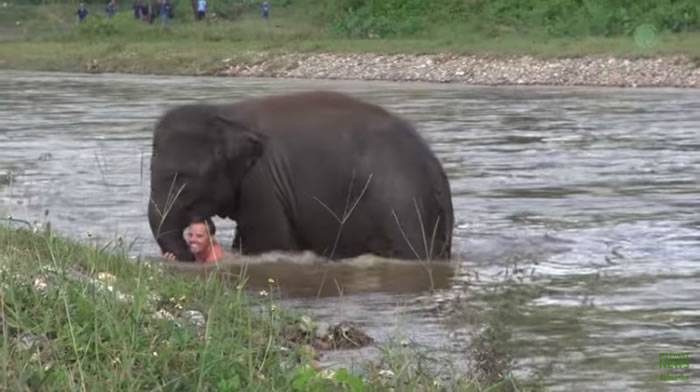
(82,13)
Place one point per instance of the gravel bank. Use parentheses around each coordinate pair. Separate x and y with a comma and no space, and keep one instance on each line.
(676,71)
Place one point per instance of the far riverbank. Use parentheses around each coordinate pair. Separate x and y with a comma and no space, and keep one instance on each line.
(674,71)
(298,43)
(484,70)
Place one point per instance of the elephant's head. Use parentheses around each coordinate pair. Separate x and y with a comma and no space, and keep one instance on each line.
(200,155)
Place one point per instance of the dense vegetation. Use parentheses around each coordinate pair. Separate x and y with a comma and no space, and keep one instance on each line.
(362,18)
(421,18)
(45,34)
(82,316)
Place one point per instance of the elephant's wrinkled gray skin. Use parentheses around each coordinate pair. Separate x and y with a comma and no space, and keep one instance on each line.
(316,171)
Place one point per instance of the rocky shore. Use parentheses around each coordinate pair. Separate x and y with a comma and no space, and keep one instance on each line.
(672,71)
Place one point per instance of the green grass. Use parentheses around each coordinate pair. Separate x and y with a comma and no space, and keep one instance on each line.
(90,337)
(48,38)
(83,316)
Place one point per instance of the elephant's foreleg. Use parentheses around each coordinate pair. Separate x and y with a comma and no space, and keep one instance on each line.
(263,225)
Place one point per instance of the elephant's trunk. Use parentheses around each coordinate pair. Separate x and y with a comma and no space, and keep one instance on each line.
(167,229)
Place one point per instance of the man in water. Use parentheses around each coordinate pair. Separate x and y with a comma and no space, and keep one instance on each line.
(201,241)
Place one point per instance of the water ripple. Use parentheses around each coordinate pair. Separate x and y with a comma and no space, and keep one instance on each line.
(593,191)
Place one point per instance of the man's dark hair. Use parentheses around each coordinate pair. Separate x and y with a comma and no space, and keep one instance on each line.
(207,221)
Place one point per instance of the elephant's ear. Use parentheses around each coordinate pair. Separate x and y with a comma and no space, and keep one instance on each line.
(236,140)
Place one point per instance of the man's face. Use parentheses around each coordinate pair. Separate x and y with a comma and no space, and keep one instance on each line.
(198,238)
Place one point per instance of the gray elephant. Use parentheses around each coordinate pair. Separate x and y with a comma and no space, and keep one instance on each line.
(317,171)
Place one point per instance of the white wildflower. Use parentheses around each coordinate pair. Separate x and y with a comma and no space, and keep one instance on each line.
(40,283)
(124,297)
(306,324)
(48,268)
(195,317)
(328,374)
(163,314)
(106,277)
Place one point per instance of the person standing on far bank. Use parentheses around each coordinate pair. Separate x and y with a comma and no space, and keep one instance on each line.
(82,12)
(265,9)
(201,9)
(111,8)
(165,10)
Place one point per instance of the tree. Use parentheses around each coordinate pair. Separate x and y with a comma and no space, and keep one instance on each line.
(194,9)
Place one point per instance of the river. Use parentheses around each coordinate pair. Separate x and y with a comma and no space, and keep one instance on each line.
(580,207)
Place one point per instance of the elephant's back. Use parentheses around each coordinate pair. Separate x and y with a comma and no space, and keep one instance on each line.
(314,113)
(329,128)
(333,148)
(312,100)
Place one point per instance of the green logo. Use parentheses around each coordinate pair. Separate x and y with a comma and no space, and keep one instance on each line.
(672,362)
(645,36)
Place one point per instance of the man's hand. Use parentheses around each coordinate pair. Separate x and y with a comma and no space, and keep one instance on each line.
(169,256)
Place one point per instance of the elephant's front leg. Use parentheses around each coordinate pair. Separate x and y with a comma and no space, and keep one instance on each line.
(262,226)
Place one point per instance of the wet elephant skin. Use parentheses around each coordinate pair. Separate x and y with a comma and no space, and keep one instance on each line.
(317,171)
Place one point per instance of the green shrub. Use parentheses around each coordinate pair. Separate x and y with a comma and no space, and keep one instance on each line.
(98,26)
(386,18)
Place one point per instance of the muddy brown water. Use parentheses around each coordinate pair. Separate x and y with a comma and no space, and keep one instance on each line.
(591,196)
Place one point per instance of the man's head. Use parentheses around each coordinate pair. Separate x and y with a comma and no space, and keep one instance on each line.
(200,235)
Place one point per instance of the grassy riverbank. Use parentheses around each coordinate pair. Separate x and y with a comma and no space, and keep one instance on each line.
(85,317)
(77,318)
(47,37)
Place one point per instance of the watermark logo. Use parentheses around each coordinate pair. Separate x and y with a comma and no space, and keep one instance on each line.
(673,364)
(645,36)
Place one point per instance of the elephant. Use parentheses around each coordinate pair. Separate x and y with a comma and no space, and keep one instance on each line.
(317,171)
